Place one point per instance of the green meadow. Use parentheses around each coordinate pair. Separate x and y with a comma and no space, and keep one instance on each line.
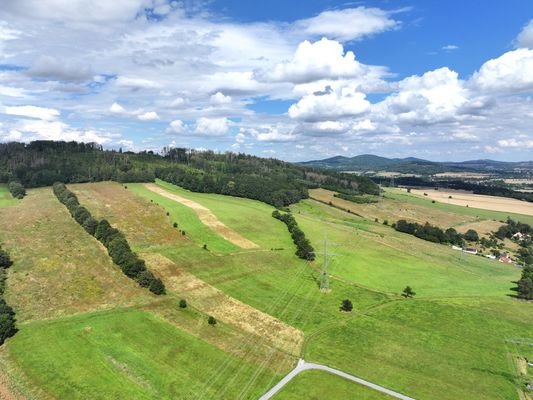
(6,199)
(459,338)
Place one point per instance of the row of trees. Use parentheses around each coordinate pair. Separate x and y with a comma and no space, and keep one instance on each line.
(303,246)
(114,240)
(16,190)
(435,234)
(7,314)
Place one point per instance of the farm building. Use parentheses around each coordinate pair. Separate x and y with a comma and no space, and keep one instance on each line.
(505,259)
(470,250)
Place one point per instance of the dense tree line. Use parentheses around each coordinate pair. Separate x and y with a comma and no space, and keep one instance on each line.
(114,240)
(7,314)
(303,246)
(16,190)
(41,163)
(435,234)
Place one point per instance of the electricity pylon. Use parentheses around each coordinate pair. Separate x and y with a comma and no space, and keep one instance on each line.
(324,273)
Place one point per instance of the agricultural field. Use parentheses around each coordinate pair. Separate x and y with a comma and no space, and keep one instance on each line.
(493,203)
(462,336)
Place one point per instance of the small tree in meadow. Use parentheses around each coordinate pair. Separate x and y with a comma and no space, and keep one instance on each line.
(211,321)
(346,306)
(408,292)
(183,303)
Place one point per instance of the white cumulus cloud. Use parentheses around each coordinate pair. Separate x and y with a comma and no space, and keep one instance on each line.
(324,59)
(148,116)
(331,104)
(212,126)
(511,72)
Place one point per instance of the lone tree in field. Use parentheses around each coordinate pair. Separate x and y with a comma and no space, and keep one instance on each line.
(183,303)
(211,321)
(346,306)
(408,292)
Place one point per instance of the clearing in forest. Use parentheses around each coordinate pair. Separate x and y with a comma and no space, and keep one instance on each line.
(207,217)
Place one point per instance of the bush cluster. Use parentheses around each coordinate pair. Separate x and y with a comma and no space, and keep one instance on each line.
(303,246)
(16,189)
(525,284)
(357,199)
(114,240)
(7,315)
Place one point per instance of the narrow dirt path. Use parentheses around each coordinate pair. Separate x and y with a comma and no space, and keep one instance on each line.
(207,217)
(303,366)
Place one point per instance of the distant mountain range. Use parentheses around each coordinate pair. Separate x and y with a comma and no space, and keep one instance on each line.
(412,165)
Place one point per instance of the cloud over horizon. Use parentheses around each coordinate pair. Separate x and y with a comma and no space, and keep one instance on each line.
(154,72)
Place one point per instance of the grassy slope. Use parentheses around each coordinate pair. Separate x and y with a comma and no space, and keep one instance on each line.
(6,199)
(379,257)
(128,354)
(422,347)
(275,282)
(58,268)
(318,385)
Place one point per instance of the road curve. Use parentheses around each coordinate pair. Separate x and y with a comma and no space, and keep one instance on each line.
(303,366)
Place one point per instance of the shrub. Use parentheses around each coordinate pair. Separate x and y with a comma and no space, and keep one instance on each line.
(183,303)
(16,189)
(346,306)
(211,321)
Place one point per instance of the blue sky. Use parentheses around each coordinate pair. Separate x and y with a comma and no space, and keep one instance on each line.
(442,80)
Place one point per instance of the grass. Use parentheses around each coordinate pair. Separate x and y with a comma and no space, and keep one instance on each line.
(318,385)
(252,219)
(457,339)
(187,221)
(129,354)
(378,257)
(59,269)
(6,199)
(399,195)
(430,349)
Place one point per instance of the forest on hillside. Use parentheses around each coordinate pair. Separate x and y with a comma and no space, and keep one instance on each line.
(41,163)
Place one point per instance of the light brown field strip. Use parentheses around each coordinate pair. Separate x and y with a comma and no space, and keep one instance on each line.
(207,217)
(493,203)
(212,301)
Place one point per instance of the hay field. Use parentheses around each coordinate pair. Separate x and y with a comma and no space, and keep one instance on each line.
(483,202)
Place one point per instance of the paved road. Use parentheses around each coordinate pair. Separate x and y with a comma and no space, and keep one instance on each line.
(303,366)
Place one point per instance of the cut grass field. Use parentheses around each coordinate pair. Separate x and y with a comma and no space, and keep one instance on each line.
(6,199)
(129,354)
(457,339)
(431,349)
(319,385)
